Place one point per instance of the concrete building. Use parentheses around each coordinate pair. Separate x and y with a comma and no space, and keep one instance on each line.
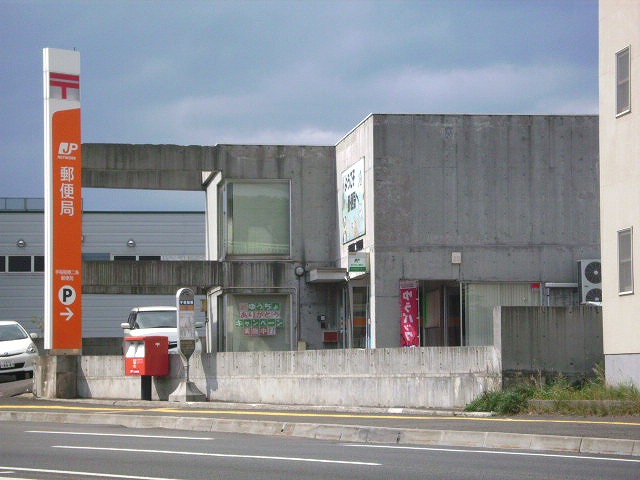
(619,180)
(407,232)
(315,247)
(475,211)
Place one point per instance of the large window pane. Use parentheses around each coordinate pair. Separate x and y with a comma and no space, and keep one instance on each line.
(258,218)
(257,323)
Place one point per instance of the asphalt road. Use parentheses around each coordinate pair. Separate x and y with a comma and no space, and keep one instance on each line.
(33,450)
(585,435)
(595,427)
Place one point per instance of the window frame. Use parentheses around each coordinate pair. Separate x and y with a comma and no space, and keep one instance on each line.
(224,229)
(625,263)
(626,83)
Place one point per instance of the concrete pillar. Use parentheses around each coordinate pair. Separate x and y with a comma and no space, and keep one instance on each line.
(56,376)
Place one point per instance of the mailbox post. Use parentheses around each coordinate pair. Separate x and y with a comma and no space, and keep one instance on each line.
(146,357)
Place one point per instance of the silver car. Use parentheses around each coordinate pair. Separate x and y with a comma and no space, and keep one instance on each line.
(161,321)
(18,353)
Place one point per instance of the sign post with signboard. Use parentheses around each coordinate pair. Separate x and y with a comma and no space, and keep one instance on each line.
(63,202)
(187,335)
(187,391)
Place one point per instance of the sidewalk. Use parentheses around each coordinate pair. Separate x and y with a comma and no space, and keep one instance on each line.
(587,435)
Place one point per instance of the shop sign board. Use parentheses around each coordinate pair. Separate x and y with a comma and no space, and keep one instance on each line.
(63,202)
(358,262)
(352,206)
(259,319)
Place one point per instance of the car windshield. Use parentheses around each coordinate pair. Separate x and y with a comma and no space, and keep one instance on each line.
(157,319)
(11,331)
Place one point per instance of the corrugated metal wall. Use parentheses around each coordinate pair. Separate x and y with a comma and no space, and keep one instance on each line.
(481,298)
(179,235)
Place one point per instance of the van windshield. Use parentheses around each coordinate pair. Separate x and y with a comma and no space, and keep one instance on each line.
(157,319)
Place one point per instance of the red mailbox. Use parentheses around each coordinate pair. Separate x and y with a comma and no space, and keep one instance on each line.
(146,356)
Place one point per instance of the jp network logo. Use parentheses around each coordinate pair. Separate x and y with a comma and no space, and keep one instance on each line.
(67,149)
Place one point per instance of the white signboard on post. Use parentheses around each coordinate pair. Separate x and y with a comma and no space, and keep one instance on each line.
(187,335)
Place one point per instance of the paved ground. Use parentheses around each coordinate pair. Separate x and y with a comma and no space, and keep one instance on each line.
(611,435)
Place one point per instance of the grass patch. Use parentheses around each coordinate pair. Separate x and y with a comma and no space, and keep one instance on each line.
(510,401)
(590,397)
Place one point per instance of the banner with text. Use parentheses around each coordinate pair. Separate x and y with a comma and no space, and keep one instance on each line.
(409,317)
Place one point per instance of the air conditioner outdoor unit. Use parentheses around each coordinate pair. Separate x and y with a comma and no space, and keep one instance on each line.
(590,281)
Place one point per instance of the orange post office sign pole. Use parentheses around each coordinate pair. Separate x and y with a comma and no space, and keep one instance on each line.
(63,202)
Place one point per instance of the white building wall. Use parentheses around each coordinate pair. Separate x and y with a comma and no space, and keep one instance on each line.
(619,192)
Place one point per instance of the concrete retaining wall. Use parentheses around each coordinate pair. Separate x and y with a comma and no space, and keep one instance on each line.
(396,377)
(529,341)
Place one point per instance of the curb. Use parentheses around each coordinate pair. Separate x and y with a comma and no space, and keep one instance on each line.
(345,433)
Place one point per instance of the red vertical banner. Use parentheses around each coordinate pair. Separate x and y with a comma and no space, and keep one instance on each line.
(409,316)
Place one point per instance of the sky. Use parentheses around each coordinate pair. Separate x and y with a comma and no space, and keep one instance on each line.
(303,72)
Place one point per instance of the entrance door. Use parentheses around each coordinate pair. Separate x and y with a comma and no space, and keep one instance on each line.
(360,323)
(440,311)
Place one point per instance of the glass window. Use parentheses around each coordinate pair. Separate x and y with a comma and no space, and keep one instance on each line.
(20,263)
(625,261)
(256,323)
(38,263)
(360,317)
(93,257)
(2,263)
(257,218)
(623,91)
(125,257)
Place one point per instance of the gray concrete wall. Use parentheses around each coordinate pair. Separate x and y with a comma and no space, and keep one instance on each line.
(313,195)
(546,341)
(517,195)
(156,167)
(414,377)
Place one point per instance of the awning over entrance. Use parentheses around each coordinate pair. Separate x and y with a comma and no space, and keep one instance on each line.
(327,275)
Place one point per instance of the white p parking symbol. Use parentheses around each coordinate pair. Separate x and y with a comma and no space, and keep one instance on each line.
(67,295)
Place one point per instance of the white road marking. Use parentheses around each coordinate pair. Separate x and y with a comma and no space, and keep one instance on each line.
(13,478)
(84,474)
(221,455)
(499,452)
(119,435)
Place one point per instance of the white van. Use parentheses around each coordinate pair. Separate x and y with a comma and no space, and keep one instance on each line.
(156,321)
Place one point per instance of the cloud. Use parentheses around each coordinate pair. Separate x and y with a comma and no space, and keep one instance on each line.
(304,111)
(504,88)
(229,119)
